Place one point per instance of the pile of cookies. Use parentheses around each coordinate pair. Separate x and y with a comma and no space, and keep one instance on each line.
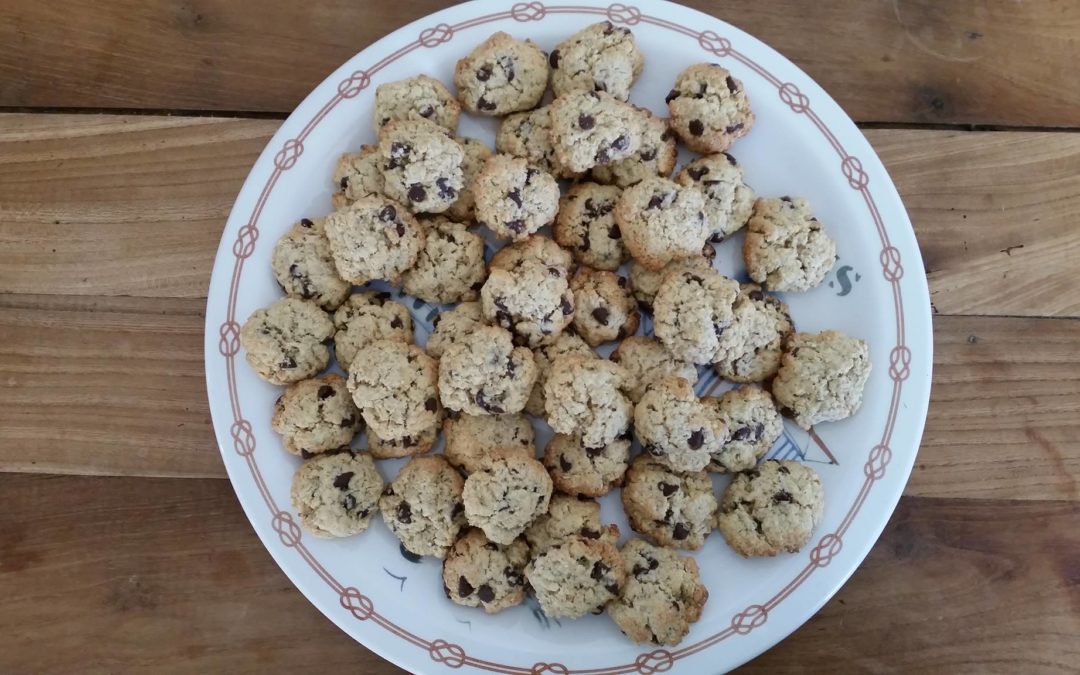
(520,340)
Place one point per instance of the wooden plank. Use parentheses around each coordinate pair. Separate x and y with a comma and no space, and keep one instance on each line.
(995,214)
(108,575)
(968,61)
(104,385)
(107,205)
(115,386)
(129,223)
(952,586)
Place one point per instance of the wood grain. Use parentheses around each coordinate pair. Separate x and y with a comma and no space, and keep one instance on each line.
(145,199)
(995,215)
(952,586)
(104,385)
(110,575)
(967,61)
(115,386)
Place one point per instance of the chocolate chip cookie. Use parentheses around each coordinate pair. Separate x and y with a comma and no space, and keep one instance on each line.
(528,135)
(672,508)
(647,360)
(754,423)
(676,428)
(568,518)
(590,128)
(423,506)
(286,342)
(821,377)
(599,57)
(728,199)
(502,75)
(480,573)
(586,396)
(506,494)
(770,509)
(450,326)
(644,282)
(316,415)
(514,199)
(451,267)
(304,266)
(357,175)
(368,316)
(588,472)
(485,374)
(691,312)
(663,594)
(421,165)
(469,438)
(662,221)
(786,248)
(655,157)
(586,227)
(373,238)
(604,308)
(576,577)
(394,385)
(709,108)
(336,494)
(567,343)
(762,336)
(533,300)
(416,98)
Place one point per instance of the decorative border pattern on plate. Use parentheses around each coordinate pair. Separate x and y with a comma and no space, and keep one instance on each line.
(656,660)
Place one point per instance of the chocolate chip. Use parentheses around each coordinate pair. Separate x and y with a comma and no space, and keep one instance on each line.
(464,588)
(446,191)
(555,272)
(782,496)
(667,489)
(417,193)
(426,111)
(553,59)
(567,306)
(696,127)
(783,469)
(608,28)
(680,532)
(530,173)
(697,172)
(484,104)
(507,64)
(647,155)
(304,222)
(732,87)
(304,454)
(672,95)
(756,295)
(741,434)
(387,214)
(586,121)
(287,362)
(621,142)
(341,482)
(564,464)
(655,202)
(602,157)
(485,593)
(599,569)
(431,404)
(514,196)
(730,159)
(697,439)
(612,588)
(504,319)
(733,128)
(400,229)
(404,512)
(594,452)
(349,502)
(326,391)
(483,73)
(396,322)
(786,411)
(517,225)
(601,315)
(488,406)
(614,232)
(513,577)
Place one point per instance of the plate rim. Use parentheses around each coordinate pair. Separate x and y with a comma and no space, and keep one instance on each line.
(858,160)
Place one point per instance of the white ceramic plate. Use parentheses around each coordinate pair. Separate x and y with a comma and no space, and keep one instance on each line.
(802,144)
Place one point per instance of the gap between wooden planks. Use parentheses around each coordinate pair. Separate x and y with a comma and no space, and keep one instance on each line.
(925,61)
(135,205)
(115,386)
(951,586)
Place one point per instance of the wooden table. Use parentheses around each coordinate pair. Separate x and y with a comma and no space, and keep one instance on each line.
(127,128)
